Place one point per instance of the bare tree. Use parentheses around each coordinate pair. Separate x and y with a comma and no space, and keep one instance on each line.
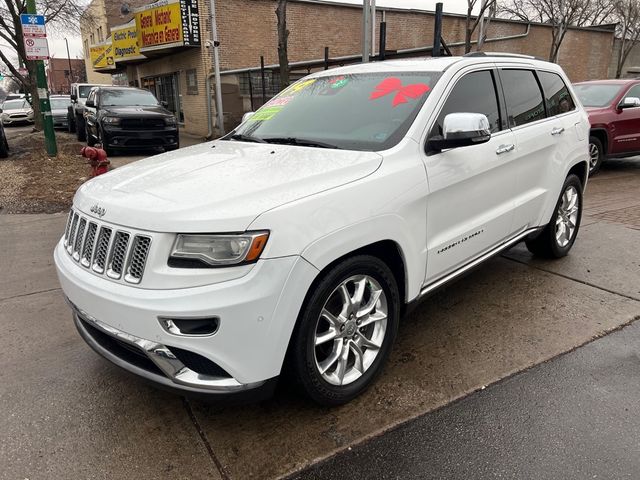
(627,14)
(64,13)
(283,38)
(560,15)
(471,24)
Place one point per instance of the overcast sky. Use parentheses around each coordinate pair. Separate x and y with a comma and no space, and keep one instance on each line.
(58,48)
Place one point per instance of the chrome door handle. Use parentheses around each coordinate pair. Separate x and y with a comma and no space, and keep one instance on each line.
(505,148)
(557,131)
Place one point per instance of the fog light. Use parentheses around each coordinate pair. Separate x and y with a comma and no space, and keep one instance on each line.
(190,327)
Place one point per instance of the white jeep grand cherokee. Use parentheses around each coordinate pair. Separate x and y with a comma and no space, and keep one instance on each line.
(300,237)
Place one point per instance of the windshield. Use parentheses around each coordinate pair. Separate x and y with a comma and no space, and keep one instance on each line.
(363,111)
(15,105)
(83,92)
(124,98)
(59,103)
(597,94)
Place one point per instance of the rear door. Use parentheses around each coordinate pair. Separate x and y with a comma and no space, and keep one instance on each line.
(91,114)
(626,126)
(471,199)
(537,135)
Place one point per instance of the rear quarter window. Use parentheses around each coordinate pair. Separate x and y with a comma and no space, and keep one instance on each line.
(556,94)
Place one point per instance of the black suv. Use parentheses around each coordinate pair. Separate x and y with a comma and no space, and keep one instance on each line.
(128,117)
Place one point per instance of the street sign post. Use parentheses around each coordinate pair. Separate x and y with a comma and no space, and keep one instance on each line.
(34,34)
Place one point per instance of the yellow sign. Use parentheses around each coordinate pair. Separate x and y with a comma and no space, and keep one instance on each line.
(125,42)
(160,25)
(102,56)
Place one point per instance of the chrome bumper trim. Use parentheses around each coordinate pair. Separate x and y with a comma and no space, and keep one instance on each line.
(177,374)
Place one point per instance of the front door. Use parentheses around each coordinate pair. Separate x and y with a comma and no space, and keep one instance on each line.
(470,205)
(626,126)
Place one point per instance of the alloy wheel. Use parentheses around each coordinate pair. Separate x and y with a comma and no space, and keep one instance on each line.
(350,330)
(567,217)
(594,155)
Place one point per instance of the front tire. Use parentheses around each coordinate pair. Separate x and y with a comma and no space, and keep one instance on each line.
(558,236)
(81,129)
(346,330)
(4,147)
(71,124)
(87,134)
(596,155)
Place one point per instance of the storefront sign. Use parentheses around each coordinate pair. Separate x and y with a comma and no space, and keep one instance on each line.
(168,23)
(102,56)
(125,42)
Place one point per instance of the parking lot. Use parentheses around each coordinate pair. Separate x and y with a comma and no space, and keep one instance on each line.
(70,414)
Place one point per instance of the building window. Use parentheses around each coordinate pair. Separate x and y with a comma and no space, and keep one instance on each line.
(86,48)
(271,82)
(92,39)
(100,36)
(192,82)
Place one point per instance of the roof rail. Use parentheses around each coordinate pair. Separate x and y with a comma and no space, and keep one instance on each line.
(502,54)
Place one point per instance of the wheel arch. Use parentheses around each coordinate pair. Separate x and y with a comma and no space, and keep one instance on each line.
(602,135)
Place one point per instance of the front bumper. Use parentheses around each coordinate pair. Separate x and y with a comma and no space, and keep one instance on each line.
(257,314)
(123,138)
(60,121)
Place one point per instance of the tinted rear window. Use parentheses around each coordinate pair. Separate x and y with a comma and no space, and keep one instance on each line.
(522,96)
(556,93)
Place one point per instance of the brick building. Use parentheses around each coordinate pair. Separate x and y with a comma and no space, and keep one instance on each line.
(60,77)
(180,74)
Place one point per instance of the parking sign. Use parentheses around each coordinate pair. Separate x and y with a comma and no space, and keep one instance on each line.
(36,48)
(33,25)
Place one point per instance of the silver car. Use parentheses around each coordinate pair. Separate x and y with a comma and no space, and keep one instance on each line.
(16,111)
(59,110)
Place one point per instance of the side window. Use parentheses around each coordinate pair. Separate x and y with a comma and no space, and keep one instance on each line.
(633,92)
(556,94)
(522,96)
(474,93)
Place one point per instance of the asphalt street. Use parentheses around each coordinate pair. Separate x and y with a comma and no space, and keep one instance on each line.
(574,417)
(67,413)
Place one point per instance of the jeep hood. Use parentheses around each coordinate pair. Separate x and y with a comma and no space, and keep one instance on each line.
(220,186)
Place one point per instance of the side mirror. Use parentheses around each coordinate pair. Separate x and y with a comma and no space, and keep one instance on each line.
(164,103)
(74,97)
(247,116)
(90,104)
(460,130)
(0,110)
(629,102)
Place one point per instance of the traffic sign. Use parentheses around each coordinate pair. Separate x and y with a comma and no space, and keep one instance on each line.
(33,25)
(36,48)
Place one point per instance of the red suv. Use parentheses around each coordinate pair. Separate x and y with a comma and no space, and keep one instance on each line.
(614,113)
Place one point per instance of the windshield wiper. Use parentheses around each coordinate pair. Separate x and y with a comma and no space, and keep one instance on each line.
(244,138)
(303,142)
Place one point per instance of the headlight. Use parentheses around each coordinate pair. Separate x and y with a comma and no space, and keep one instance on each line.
(170,120)
(220,250)
(111,120)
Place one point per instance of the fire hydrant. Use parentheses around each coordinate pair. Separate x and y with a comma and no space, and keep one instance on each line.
(97,159)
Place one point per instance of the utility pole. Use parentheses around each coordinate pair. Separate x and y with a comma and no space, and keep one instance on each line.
(70,70)
(216,66)
(366,24)
(43,96)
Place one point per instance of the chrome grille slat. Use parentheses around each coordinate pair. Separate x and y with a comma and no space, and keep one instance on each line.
(87,249)
(117,255)
(137,259)
(72,233)
(102,248)
(77,244)
(105,250)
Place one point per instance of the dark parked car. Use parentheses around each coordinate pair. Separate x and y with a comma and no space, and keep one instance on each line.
(4,146)
(613,107)
(128,117)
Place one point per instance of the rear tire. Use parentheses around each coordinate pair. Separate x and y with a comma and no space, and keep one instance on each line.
(4,147)
(81,133)
(559,235)
(71,124)
(596,155)
(90,140)
(346,330)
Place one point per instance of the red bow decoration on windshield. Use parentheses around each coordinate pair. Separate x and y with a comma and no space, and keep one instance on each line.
(393,84)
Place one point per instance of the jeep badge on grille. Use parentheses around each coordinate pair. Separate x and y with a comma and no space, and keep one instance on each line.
(98,210)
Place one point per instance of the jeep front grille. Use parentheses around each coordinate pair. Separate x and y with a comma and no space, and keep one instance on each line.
(105,249)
